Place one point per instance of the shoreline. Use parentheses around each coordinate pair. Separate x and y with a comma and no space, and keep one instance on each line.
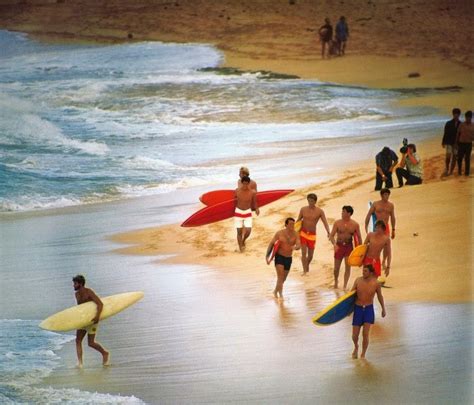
(214,244)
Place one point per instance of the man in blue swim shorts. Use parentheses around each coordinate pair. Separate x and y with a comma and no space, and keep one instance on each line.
(366,287)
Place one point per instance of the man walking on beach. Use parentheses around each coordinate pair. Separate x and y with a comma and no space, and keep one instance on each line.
(385,162)
(83,295)
(310,216)
(449,141)
(364,316)
(245,201)
(378,242)
(383,210)
(347,230)
(245,172)
(325,36)
(289,241)
(464,140)
(414,170)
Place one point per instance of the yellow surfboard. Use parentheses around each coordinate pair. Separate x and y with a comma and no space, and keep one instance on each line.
(298,226)
(357,255)
(80,316)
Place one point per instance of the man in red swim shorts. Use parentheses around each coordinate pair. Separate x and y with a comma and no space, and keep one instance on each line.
(378,242)
(346,230)
(310,216)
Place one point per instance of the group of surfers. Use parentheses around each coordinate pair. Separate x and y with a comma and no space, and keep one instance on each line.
(345,235)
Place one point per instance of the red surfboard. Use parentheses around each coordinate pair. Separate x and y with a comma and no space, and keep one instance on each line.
(216,197)
(273,252)
(226,209)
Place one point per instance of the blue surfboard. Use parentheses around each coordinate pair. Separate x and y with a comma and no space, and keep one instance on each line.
(342,307)
(373,217)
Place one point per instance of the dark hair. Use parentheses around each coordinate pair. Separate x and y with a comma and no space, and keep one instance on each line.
(456,111)
(385,191)
(381,224)
(468,114)
(412,145)
(312,196)
(369,267)
(348,209)
(245,179)
(79,279)
(288,220)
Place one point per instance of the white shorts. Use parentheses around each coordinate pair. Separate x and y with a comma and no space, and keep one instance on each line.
(243,218)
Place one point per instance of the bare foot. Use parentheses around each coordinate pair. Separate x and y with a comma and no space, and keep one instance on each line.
(362,355)
(106,359)
(305,273)
(275,294)
(80,366)
(355,352)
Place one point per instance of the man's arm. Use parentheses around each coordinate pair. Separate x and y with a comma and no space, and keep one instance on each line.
(387,256)
(380,298)
(367,218)
(403,160)
(354,287)
(333,233)
(255,203)
(300,215)
(412,158)
(445,135)
(270,245)
(358,236)
(458,134)
(98,302)
(298,241)
(392,220)
(325,222)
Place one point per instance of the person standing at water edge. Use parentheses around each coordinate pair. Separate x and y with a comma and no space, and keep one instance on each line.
(325,36)
(83,295)
(414,170)
(310,216)
(385,162)
(289,241)
(378,242)
(449,141)
(464,140)
(245,201)
(245,172)
(342,34)
(347,230)
(364,316)
(383,210)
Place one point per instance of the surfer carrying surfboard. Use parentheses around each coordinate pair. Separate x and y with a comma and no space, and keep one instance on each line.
(289,241)
(378,242)
(245,201)
(84,294)
(310,215)
(346,230)
(384,210)
(364,316)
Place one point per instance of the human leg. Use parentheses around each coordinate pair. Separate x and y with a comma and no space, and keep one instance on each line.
(97,346)
(365,339)
(281,277)
(388,181)
(337,267)
(246,234)
(401,174)
(461,153)
(355,340)
(413,180)
(378,181)
(467,159)
(80,333)
(347,273)
(239,239)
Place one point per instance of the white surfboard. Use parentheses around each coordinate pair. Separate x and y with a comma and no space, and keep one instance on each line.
(80,316)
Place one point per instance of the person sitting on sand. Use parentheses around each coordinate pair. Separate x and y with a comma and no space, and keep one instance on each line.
(378,242)
(310,216)
(289,241)
(84,294)
(449,141)
(245,172)
(383,210)
(364,316)
(414,169)
(325,36)
(346,229)
(245,201)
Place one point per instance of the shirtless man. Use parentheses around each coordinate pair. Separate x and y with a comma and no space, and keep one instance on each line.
(366,287)
(384,210)
(245,172)
(310,216)
(245,201)
(84,294)
(289,241)
(378,242)
(346,230)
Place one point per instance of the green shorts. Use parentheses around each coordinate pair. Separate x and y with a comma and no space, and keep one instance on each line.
(91,329)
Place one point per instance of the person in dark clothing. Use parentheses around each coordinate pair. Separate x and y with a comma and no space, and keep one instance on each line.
(464,140)
(342,33)
(325,35)
(449,141)
(386,160)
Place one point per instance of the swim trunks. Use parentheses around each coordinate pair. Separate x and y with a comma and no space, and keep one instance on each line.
(243,218)
(363,314)
(284,261)
(308,238)
(91,329)
(344,249)
(374,262)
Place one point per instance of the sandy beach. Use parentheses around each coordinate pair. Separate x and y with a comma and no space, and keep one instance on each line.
(209,329)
